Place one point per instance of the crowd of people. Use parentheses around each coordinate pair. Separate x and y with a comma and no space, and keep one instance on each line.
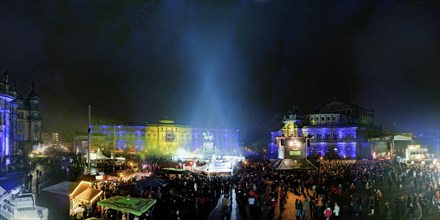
(337,189)
(186,195)
(40,172)
(345,189)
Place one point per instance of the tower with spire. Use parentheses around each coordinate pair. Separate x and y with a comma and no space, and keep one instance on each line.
(32,106)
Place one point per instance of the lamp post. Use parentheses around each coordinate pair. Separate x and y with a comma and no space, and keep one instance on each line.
(88,147)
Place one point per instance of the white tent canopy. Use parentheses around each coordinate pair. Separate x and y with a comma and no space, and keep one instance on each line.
(98,156)
(217,167)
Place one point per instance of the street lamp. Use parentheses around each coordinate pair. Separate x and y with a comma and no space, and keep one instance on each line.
(89,133)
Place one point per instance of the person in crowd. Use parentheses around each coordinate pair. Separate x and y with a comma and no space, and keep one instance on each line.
(30,177)
(417,211)
(79,212)
(283,199)
(273,205)
(298,209)
(371,205)
(328,213)
(226,206)
(336,211)
(387,215)
(378,197)
(320,207)
(360,204)
(305,209)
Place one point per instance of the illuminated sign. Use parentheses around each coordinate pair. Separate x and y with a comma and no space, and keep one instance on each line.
(295,153)
(291,147)
(295,148)
(413,146)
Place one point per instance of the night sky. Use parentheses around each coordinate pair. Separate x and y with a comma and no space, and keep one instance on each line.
(230,64)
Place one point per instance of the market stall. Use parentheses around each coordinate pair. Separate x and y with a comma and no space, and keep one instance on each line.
(83,193)
(216,167)
(151,182)
(88,178)
(129,205)
(132,190)
(88,196)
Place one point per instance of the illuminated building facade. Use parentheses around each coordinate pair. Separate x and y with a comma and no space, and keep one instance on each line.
(20,120)
(391,146)
(416,153)
(162,139)
(166,137)
(400,147)
(50,138)
(337,129)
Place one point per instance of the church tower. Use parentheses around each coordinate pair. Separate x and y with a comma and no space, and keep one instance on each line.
(32,104)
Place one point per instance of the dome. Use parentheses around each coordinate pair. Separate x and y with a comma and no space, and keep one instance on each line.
(336,104)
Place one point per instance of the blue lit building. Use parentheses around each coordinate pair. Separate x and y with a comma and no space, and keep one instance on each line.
(162,139)
(20,121)
(336,130)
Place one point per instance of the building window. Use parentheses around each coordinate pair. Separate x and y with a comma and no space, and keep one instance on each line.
(322,118)
(36,132)
(327,136)
(170,136)
(318,137)
(335,136)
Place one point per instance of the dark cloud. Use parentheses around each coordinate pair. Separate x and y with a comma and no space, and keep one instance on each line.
(224,64)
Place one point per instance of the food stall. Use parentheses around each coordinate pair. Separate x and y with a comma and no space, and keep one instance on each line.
(83,193)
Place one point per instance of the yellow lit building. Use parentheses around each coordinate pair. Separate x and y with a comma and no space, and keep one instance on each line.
(166,137)
(163,138)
